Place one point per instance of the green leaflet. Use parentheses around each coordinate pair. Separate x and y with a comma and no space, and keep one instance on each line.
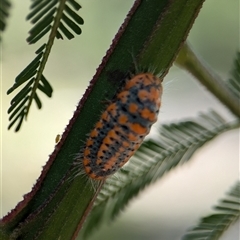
(226,213)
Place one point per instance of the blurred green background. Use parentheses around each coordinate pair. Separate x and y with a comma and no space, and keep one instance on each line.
(165,210)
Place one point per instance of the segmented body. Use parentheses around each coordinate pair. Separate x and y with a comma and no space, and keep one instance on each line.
(122,126)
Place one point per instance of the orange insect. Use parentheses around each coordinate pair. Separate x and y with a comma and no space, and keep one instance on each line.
(122,126)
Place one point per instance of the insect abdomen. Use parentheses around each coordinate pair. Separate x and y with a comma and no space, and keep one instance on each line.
(123,126)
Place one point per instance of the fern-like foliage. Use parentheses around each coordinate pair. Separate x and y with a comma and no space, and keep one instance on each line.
(4,13)
(43,13)
(174,145)
(226,213)
(58,17)
(234,82)
(18,103)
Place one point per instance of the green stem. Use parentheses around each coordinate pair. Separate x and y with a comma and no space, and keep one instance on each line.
(189,61)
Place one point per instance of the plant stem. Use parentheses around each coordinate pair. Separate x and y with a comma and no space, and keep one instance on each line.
(188,60)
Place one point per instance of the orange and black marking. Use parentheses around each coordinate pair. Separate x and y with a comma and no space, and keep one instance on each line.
(122,126)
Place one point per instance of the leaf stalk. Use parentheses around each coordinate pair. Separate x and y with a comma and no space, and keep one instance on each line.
(188,60)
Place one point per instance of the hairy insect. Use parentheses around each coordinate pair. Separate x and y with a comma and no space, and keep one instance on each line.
(122,126)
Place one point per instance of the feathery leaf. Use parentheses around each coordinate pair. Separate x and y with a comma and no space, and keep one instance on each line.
(26,74)
(4,13)
(74,4)
(175,144)
(44,13)
(37,100)
(234,82)
(65,31)
(21,100)
(41,10)
(19,117)
(45,87)
(226,213)
(42,27)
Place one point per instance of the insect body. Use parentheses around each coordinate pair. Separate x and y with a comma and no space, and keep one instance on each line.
(122,126)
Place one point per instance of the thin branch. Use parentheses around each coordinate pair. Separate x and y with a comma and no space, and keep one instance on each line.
(188,60)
